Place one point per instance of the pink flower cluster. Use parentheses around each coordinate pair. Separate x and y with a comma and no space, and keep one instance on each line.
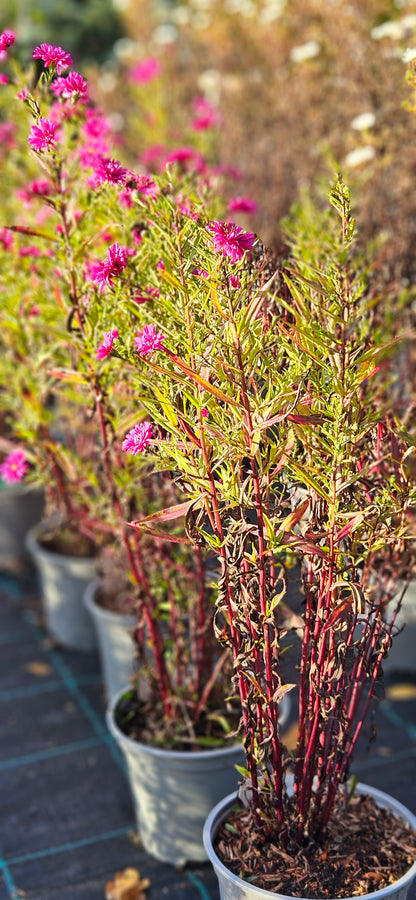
(206,115)
(7,38)
(14,467)
(188,158)
(53,56)
(148,293)
(145,71)
(106,346)
(40,187)
(103,273)
(6,238)
(110,170)
(94,132)
(149,339)
(231,240)
(138,438)
(242,204)
(145,185)
(72,87)
(42,136)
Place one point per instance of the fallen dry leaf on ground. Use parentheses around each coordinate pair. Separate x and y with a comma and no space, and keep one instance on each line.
(127,885)
(38,668)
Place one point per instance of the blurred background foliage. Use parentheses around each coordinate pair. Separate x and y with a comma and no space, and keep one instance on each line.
(86,28)
(302,88)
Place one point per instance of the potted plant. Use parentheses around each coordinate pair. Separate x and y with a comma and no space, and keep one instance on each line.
(20,509)
(93,290)
(255,386)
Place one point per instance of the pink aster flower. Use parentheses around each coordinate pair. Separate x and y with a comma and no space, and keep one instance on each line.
(231,240)
(96,124)
(110,170)
(42,136)
(53,56)
(73,86)
(145,71)
(187,158)
(145,185)
(154,157)
(138,438)
(14,467)
(40,187)
(242,204)
(7,135)
(106,346)
(149,293)
(6,238)
(103,273)
(3,78)
(149,339)
(7,38)
(206,115)
(234,281)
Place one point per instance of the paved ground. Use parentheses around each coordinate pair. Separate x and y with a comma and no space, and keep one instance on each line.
(66,817)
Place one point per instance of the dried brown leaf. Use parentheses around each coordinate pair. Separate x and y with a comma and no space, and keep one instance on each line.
(127,885)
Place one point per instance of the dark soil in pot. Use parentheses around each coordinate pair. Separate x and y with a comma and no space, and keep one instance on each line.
(144,721)
(366,848)
(67,541)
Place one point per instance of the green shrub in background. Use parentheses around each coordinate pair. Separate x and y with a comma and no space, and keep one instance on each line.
(87,29)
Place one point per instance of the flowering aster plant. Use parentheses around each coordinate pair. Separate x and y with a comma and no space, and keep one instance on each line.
(259,381)
(195,351)
(74,411)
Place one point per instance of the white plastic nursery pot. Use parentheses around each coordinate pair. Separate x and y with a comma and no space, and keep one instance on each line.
(21,508)
(234,888)
(115,642)
(63,580)
(173,792)
(402,655)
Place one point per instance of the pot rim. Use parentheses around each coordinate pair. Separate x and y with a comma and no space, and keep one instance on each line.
(35,548)
(218,813)
(95,609)
(160,751)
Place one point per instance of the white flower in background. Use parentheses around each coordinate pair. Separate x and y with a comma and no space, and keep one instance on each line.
(271,11)
(244,7)
(181,15)
(409,54)
(165,34)
(359,156)
(387,29)
(305,51)
(126,49)
(363,121)
(210,83)
(408,22)
(116,121)
(201,20)
(108,82)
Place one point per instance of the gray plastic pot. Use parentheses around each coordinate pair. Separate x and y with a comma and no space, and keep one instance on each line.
(234,888)
(402,655)
(115,642)
(21,507)
(173,792)
(63,580)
